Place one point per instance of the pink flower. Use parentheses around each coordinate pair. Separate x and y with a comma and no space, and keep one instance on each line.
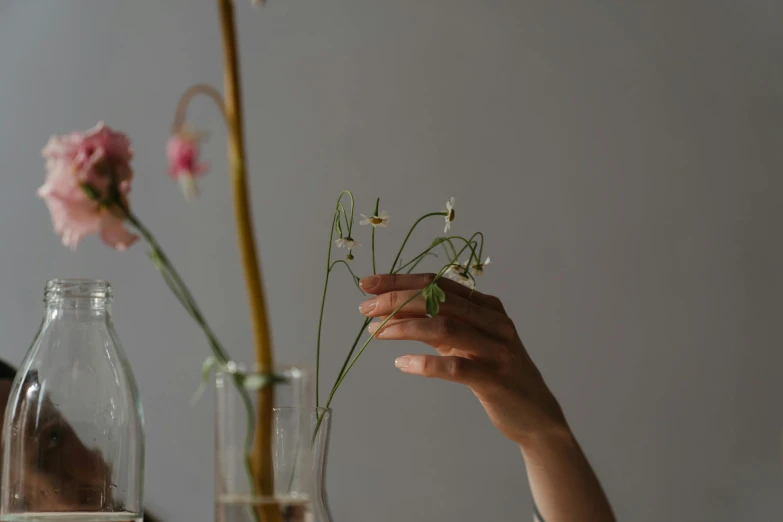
(87,181)
(182,150)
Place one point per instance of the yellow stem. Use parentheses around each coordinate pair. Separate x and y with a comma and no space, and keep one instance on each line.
(261,457)
(188,95)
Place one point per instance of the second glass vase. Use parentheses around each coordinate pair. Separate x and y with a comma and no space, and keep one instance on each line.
(263,419)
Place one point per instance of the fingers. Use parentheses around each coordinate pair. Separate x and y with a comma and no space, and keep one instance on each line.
(486,319)
(383,283)
(438,331)
(455,369)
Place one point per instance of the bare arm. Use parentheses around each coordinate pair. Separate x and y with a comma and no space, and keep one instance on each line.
(478,346)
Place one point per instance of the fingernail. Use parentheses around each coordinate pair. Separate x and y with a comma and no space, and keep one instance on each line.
(402,362)
(368,306)
(368,283)
(374,327)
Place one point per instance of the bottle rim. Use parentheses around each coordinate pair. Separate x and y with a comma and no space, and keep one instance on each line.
(78,289)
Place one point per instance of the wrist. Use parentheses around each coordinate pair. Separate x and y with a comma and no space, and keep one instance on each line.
(557,436)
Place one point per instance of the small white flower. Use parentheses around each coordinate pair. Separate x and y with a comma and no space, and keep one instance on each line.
(478,268)
(449,214)
(346,242)
(381,220)
(457,272)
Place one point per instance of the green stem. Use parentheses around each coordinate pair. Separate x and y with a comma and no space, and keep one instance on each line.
(481,248)
(348,222)
(355,278)
(455,260)
(364,346)
(323,306)
(365,324)
(178,287)
(421,258)
(340,374)
(345,217)
(182,293)
(335,222)
(442,241)
(377,203)
(450,244)
(407,237)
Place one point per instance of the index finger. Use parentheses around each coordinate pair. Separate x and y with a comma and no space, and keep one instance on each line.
(383,283)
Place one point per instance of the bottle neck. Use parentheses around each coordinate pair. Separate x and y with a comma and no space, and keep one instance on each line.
(77,299)
(62,309)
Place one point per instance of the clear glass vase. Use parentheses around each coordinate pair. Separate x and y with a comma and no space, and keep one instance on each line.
(322,425)
(281,490)
(73,443)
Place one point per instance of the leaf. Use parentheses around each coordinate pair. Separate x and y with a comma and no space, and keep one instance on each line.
(433,296)
(438,240)
(206,369)
(432,306)
(438,293)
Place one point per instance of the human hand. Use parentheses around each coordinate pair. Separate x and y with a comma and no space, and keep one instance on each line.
(478,346)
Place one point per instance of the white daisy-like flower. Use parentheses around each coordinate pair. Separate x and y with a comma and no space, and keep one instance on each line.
(458,273)
(478,268)
(346,242)
(449,214)
(381,220)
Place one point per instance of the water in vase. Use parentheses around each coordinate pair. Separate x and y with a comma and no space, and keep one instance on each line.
(232,508)
(72,516)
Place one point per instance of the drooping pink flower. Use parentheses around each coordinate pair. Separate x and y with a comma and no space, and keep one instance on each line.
(183,150)
(88,178)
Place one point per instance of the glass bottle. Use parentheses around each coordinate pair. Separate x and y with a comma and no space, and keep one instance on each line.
(73,442)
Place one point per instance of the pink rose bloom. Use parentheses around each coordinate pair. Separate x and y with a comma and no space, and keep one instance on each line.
(88,177)
(183,150)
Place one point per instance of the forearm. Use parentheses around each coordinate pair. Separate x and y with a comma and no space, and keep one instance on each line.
(564,486)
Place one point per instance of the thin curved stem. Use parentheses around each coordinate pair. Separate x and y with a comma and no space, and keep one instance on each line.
(355,278)
(337,382)
(481,247)
(340,206)
(329,265)
(345,217)
(321,313)
(187,96)
(182,293)
(407,237)
(364,346)
(442,241)
(421,258)
(177,286)
(377,203)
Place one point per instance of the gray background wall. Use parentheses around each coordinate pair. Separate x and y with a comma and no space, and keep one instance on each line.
(623,159)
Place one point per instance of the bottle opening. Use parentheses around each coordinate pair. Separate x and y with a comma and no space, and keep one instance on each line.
(77,289)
